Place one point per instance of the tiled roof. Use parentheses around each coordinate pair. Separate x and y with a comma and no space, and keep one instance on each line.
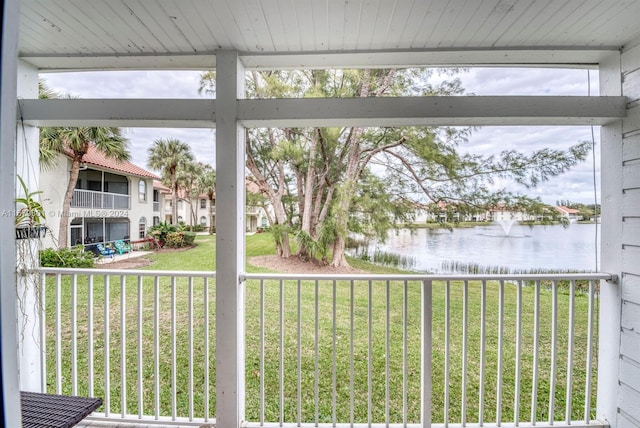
(157,184)
(566,210)
(96,158)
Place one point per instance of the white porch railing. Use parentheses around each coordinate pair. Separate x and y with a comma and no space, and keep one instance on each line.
(99,200)
(251,210)
(401,350)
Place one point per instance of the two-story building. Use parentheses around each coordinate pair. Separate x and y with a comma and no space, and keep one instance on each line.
(112,200)
(199,210)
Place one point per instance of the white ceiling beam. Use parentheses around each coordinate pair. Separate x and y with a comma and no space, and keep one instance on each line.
(406,111)
(161,113)
(525,57)
(63,63)
(422,111)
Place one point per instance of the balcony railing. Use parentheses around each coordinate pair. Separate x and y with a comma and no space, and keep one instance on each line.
(401,350)
(156,206)
(91,199)
(250,210)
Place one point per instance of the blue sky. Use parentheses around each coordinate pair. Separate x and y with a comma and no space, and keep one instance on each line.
(576,185)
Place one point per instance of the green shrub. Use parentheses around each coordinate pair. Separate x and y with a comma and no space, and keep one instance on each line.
(160,232)
(189,237)
(194,228)
(74,257)
(180,239)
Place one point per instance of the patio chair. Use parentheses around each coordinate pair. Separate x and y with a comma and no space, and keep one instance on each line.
(121,247)
(104,251)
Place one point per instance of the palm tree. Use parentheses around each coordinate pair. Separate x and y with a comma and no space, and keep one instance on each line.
(187,178)
(169,155)
(207,184)
(76,142)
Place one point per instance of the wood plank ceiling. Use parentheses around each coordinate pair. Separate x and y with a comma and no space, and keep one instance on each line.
(73,29)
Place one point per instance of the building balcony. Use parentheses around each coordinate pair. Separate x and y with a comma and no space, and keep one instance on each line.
(338,350)
(91,199)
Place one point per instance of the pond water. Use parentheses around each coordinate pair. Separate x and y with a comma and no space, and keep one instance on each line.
(524,248)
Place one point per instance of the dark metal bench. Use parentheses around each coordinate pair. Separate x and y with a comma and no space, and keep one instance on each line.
(50,410)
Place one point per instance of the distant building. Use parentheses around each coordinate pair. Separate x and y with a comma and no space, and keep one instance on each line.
(112,200)
(568,213)
(199,210)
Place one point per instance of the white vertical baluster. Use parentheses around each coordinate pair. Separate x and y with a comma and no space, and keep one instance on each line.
(107,351)
(123,345)
(281,353)
(554,351)
(500,354)
(427,351)
(190,339)
(299,404)
(568,396)
(516,404)
(140,353)
(369,352)
(206,350)
(387,355)
(58,334)
(174,369)
(351,370)
(465,340)
(43,334)
(405,372)
(90,336)
(536,352)
(483,338)
(316,375)
(74,334)
(447,336)
(587,393)
(334,357)
(156,346)
(262,374)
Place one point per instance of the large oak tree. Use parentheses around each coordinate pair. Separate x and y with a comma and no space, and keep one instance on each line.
(324,183)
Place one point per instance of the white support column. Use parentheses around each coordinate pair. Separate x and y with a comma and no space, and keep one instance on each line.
(611,248)
(230,244)
(27,259)
(8,340)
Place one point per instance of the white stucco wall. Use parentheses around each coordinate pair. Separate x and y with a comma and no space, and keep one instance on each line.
(629,370)
(53,184)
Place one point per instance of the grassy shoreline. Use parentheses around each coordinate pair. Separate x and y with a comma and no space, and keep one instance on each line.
(190,329)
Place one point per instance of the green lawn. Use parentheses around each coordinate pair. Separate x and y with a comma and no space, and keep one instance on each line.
(349,332)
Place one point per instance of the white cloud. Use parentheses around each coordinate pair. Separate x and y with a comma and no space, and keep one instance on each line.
(576,185)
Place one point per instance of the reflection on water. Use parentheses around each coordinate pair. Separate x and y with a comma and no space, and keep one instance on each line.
(525,248)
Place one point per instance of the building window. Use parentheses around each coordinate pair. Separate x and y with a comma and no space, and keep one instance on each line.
(203,221)
(142,191)
(203,203)
(156,220)
(142,227)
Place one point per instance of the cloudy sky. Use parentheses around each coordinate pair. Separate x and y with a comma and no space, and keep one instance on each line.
(576,185)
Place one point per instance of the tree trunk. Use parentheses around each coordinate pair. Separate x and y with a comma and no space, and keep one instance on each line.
(174,207)
(66,203)
(351,176)
(307,198)
(342,218)
(283,248)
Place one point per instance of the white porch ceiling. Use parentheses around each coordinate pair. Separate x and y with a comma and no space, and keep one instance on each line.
(184,34)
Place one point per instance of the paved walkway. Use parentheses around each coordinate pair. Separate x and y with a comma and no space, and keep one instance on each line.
(118,257)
